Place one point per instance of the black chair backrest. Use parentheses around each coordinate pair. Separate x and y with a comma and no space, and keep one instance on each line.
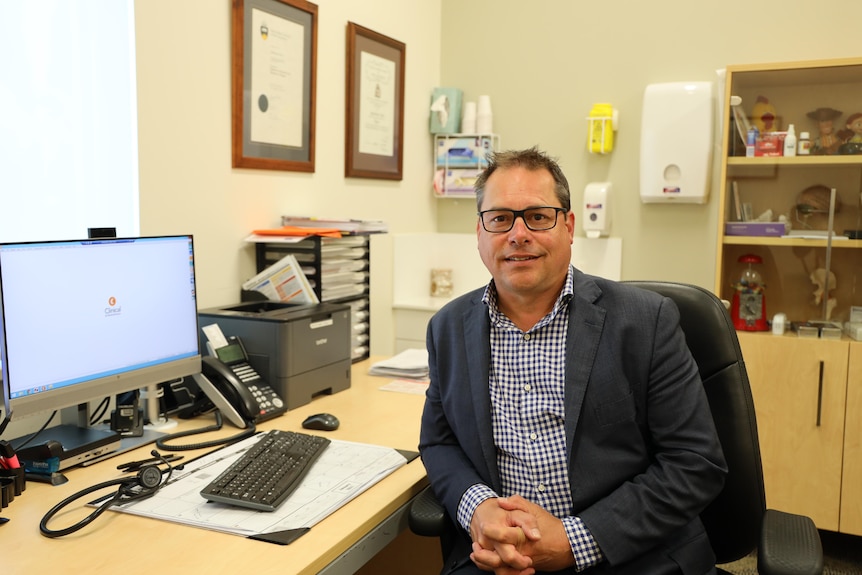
(733,520)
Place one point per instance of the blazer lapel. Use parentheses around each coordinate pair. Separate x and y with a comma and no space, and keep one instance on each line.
(477,356)
(586,321)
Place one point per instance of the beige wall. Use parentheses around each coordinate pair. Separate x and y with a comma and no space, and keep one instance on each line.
(186,180)
(545,63)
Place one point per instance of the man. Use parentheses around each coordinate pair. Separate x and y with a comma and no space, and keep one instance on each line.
(565,426)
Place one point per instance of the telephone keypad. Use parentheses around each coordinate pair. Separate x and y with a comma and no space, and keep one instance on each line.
(268,400)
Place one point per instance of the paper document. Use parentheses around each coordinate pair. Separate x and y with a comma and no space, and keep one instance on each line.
(409,386)
(814,235)
(283,281)
(343,471)
(411,363)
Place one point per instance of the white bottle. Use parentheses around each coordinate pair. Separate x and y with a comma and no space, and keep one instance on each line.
(790,141)
(803,148)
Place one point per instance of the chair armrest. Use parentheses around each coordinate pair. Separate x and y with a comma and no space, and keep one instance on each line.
(427,517)
(789,545)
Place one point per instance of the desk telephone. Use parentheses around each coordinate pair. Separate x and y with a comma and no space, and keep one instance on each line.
(236,388)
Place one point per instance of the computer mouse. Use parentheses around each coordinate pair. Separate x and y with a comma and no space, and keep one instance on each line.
(321,422)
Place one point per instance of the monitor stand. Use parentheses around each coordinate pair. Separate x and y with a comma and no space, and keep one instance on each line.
(155,422)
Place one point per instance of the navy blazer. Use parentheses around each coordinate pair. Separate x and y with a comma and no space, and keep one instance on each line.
(644,457)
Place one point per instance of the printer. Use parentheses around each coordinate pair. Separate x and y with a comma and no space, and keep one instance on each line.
(301,350)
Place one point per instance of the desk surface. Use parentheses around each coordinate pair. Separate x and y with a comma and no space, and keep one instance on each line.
(121,543)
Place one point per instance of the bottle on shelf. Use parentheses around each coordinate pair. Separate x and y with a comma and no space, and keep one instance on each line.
(790,141)
(803,147)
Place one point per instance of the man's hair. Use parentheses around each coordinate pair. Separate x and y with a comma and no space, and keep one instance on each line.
(530,159)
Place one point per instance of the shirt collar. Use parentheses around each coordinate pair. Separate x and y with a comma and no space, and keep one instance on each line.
(489,297)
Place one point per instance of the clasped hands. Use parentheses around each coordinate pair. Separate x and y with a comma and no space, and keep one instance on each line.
(512,536)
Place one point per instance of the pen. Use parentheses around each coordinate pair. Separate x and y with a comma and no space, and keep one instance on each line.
(135,465)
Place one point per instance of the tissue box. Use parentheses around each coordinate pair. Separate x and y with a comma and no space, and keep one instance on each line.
(450,122)
(463,152)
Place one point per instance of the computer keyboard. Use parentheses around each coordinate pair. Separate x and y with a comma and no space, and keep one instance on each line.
(264,476)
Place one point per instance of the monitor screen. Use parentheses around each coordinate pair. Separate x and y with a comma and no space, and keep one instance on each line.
(87,319)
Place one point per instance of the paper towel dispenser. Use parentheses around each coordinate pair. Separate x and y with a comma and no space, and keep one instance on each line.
(676,142)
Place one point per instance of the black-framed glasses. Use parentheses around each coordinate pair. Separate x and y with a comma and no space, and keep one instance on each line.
(536,219)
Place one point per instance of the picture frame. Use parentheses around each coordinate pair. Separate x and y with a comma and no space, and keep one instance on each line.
(374,134)
(273,84)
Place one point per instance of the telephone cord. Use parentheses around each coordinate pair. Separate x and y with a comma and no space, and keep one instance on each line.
(161,442)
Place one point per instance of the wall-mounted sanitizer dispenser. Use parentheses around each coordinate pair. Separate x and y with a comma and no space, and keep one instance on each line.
(676,142)
(597,217)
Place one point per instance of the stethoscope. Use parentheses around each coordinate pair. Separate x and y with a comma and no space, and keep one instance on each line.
(145,483)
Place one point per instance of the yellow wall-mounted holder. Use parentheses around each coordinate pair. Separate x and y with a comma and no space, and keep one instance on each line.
(602,123)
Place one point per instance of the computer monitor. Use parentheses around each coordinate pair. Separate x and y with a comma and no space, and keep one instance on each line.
(88,319)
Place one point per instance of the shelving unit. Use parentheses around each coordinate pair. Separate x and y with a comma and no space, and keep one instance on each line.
(458,160)
(775,182)
(338,270)
(806,391)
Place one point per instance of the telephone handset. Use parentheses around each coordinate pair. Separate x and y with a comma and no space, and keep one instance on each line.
(236,388)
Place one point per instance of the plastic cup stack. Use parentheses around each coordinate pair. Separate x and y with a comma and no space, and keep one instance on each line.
(484,117)
(468,118)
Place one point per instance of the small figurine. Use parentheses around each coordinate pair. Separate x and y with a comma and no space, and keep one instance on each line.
(763,115)
(851,135)
(827,142)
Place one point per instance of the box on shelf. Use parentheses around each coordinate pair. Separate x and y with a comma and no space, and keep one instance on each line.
(445,110)
(455,181)
(817,328)
(774,229)
(769,144)
(853,330)
(463,152)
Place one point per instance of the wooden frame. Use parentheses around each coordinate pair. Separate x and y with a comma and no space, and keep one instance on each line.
(273,81)
(374,139)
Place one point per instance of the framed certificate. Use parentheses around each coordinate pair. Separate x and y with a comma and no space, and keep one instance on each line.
(374,139)
(273,80)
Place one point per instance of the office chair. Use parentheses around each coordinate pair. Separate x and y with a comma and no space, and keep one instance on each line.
(737,522)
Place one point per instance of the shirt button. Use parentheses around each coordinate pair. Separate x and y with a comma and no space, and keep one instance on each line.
(540,488)
(528,387)
(534,436)
(527,337)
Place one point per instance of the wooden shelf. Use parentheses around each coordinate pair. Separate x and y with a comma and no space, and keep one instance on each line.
(789,242)
(795,161)
(793,377)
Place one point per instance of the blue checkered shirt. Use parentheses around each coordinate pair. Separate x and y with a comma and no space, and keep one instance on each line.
(527,386)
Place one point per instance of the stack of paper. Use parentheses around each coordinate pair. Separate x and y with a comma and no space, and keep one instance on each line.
(411,363)
(349,226)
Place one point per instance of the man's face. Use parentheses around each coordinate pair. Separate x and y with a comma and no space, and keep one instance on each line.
(525,262)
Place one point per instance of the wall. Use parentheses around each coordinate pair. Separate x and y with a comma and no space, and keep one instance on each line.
(187,182)
(545,63)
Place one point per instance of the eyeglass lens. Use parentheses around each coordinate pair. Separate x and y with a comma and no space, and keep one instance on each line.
(536,219)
